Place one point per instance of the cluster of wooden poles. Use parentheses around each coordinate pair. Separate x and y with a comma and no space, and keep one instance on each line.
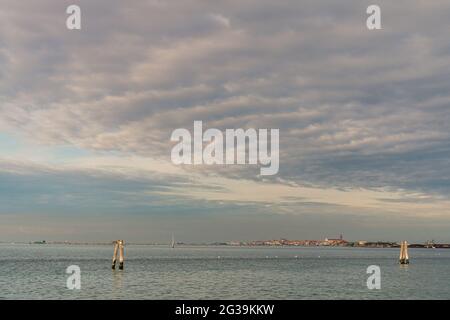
(404,258)
(118,248)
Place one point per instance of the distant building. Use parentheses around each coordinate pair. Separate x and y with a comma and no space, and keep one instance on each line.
(335,242)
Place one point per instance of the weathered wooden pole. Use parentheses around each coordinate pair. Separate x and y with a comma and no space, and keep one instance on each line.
(406,253)
(121,254)
(404,258)
(114,259)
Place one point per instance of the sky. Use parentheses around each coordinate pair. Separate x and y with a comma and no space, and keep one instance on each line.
(86,118)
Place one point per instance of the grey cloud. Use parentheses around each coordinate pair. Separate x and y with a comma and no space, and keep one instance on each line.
(354,108)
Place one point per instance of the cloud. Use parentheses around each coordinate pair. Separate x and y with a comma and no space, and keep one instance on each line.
(91,182)
(221,20)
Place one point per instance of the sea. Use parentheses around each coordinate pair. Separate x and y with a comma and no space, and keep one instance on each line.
(39,271)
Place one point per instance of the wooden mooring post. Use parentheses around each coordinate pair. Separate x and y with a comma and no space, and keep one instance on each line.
(404,257)
(118,248)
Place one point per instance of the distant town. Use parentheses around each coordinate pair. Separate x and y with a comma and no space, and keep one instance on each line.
(339,242)
(330,242)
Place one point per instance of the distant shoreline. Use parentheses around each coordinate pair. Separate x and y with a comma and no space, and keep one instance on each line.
(349,245)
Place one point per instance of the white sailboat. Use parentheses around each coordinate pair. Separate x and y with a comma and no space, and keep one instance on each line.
(173,241)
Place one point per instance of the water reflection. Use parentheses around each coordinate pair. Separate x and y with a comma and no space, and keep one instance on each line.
(117,283)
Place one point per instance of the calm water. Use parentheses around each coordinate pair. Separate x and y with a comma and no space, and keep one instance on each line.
(152,272)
